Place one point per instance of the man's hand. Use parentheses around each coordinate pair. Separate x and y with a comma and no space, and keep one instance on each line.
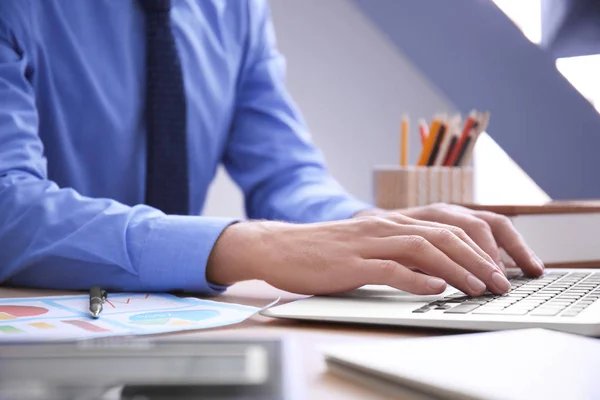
(489,230)
(334,257)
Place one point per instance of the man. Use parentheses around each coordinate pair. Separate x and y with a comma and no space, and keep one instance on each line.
(114,117)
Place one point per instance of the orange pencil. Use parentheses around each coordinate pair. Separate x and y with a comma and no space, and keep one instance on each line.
(430,142)
(404,141)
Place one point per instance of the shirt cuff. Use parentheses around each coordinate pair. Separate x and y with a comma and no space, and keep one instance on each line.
(176,252)
(347,209)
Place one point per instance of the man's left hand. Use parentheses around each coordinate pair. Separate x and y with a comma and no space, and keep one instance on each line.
(490,231)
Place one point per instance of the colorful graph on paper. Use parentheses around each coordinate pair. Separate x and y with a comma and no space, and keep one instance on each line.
(67,317)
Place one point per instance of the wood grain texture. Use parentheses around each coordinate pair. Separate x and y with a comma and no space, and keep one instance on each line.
(555,207)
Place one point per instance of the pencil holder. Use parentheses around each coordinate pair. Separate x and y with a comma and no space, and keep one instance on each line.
(402,187)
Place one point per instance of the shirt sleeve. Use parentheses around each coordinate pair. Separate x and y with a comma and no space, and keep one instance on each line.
(52,237)
(270,154)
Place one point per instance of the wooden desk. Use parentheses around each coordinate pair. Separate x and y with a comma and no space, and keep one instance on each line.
(305,338)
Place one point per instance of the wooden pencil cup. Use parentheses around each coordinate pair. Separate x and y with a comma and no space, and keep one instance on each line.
(402,187)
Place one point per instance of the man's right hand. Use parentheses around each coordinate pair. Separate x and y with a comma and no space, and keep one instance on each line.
(334,257)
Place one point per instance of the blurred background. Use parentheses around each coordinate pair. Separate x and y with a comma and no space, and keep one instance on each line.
(355,66)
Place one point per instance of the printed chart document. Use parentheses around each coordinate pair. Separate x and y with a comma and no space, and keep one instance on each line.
(67,317)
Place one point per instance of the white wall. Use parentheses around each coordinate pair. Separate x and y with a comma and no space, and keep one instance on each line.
(499,180)
(352,86)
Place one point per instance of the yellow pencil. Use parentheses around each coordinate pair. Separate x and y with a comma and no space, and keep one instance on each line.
(404,141)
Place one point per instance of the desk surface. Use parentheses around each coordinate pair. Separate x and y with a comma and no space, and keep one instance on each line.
(306,338)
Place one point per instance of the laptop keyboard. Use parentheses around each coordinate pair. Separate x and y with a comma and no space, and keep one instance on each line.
(564,294)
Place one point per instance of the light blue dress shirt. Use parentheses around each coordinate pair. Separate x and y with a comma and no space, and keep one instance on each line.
(72,142)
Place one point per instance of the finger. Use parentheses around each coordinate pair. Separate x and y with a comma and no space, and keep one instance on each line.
(464,256)
(512,242)
(477,229)
(456,224)
(388,272)
(417,251)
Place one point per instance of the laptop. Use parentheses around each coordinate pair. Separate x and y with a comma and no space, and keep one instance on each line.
(524,364)
(562,299)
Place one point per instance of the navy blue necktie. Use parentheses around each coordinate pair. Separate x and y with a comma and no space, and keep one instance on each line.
(166,166)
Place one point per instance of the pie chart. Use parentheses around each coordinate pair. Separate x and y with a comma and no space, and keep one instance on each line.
(14,312)
(186,317)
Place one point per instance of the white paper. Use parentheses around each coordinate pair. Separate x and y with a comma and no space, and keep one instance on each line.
(67,317)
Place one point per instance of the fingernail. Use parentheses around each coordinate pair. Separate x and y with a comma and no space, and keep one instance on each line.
(539,263)
(436,283)
(475,284)
(500,281)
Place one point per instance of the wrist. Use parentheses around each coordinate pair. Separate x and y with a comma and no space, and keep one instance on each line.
(238,254)
(370,212)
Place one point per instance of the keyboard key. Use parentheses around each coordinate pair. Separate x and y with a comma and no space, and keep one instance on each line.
(422,310)
(462,309)
(523,306)
(457,299)
(531,306)
(474,302)
(482,311)
(554,304)
(514,312)
(489,297)
(502,303)
(588,298)
(489,312)
(454,295)
(578,309)
(545,312)
(526,306)
(569,314)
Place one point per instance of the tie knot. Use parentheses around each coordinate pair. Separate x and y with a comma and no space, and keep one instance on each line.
(156,6)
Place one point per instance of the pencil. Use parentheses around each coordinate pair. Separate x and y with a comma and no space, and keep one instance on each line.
(450,142)
(429,143)
(483,121)
(437,144)
(463,137)
(423,130)
(404,141)
(468,143)
(451,146)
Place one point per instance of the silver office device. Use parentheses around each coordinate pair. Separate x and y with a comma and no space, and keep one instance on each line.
(155,368)
(562,299)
